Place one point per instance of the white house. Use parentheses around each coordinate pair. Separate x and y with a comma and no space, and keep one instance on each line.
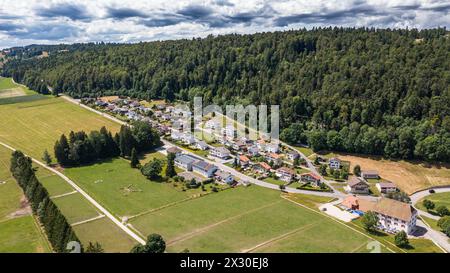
(175,135)
(293,155)
(224,177)
(272,148)
(395,216)
(386,187)
(311,178)
(188,139)
(285,174)
(334,163)
(228,131)
(253,151)
(201,145)
(204,168)
(220,152)
(212,124)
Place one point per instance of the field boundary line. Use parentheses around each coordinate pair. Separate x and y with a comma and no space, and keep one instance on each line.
(337,221)
(195,232)
(41,230)
(87,196)
(281,237)
(88,220)
(62,195)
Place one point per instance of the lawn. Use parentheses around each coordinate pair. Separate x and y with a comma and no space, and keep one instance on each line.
(274,181)
(416,245)
(439,199)
(409,176)
(34,126)
(306,151)
(16,234)
(123,190)
(103,230)
(75,208)
(22,235)
(248,219)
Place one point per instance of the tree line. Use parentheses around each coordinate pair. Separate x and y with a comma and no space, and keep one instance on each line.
(81,148)
(375,91)
(58,230)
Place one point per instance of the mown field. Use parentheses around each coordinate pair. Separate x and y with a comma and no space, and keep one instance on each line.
(439,199)
(409,176)
(32,123)
(252,219)
(18,230)
(8,89)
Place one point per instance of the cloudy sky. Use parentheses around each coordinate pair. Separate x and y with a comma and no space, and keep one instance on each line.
(25,22)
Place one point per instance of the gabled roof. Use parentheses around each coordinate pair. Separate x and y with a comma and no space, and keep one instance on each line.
(273,155)
(286,170)
(203,165)
(265,165)
(355,181)
(313,175)
(243,158)
(222,149)
(387,185)
(370,172)
(173,150)
(394,209)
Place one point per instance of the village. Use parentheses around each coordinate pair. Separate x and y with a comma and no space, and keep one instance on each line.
(272,162)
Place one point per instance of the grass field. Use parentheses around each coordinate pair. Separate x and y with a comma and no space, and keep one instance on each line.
(33,126)
(103,230)
(8,89)
(18,234)
(408,176)
(21,235)
(439,199)
(123,190)
(249,219)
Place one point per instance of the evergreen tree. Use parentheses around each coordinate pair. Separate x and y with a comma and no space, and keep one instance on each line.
(47,158)
(134,159)
(170,169)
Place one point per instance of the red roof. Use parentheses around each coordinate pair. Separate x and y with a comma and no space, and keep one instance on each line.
(313,175)
(243,158)
(265,165)
(273,155)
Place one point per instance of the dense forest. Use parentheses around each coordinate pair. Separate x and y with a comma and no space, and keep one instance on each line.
(81,148)
(372,91)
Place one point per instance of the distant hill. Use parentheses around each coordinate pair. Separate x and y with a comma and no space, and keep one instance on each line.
(369,91)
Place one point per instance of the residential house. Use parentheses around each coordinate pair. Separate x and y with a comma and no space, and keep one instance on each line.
(311,178)
(220,152)
(285,174)
(188,139)
(334,163)
(272,148)
(212,124)
(395,216)
(253,151)
(175,135)
(262,168)
(204,168)
(174,150)
(201,145)
(228,131)
(261,144)
(224,177)
(243,161)
(178,125)
(185,161)
(386,187)
(357,185)
(370,174)
(275,158)
(239,146)
(293,155)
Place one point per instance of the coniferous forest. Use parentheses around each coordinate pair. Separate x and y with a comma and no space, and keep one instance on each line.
(371,91)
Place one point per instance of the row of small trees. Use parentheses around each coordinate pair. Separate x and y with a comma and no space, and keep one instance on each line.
(82,148)
(58,230)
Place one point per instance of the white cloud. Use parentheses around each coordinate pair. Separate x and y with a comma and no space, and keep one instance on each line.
(31,21)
